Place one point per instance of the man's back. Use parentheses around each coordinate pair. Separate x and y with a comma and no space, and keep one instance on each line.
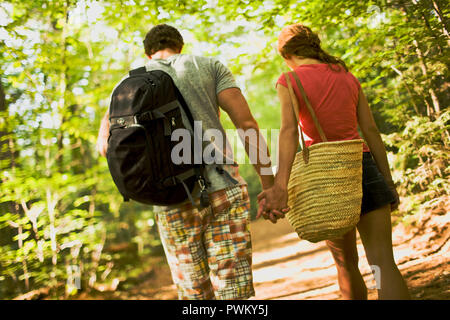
(200,80)
(208,249)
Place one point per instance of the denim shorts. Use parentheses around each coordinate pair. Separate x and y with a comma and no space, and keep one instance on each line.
(376,192)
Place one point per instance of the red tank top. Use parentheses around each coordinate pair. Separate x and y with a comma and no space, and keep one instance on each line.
(334,98)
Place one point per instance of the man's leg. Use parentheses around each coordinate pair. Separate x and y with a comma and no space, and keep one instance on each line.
(228,243)
(181,235)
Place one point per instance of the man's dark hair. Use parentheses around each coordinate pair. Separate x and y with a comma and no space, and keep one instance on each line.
(161,37)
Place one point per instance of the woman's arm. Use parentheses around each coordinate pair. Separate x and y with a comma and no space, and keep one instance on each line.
(372,136)
(288,139)
(276,197)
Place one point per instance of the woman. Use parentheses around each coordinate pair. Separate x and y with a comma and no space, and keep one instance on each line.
(340,106)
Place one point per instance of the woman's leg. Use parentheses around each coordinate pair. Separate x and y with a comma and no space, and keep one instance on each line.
(376,234)
(345,256)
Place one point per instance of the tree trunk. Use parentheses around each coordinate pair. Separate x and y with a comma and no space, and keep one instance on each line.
(3,154)
(62,89)
(432,32)
(442,19)
(405,83)
(431,91)
(2,98)
(436,109)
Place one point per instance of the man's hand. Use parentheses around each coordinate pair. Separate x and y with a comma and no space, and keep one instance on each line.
(103,135)
(273,203)
(276,198)
(266,214)
(102,144)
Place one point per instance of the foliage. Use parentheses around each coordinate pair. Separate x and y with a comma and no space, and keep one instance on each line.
(421,166)
(61,59)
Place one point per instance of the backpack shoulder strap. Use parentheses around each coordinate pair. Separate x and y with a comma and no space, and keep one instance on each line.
(138,71)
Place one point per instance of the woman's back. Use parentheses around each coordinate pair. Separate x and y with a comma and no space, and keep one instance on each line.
(333,94)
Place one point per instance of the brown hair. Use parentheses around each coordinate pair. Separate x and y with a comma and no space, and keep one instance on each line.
(300,41)
(161,37)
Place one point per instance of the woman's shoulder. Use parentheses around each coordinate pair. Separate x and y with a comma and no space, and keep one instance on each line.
(352,78)
(340,71)
(282,80)
(305,71)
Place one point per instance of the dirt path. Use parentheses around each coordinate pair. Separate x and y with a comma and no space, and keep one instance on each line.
(286,268)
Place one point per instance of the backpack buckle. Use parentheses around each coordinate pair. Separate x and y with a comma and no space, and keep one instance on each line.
(204,197)
(201,183)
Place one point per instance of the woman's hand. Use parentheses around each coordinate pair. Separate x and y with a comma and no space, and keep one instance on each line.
(273,200)
(273,203)
(394,206)
(267,215)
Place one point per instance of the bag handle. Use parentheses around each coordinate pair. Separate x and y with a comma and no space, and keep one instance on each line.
(296,108)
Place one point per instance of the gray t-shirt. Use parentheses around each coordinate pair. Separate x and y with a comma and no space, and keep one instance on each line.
(200,80)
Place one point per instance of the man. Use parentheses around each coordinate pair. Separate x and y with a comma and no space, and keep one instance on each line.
(208,250)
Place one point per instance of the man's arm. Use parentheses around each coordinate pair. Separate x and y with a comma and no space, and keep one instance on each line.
(234,104)
(103,135)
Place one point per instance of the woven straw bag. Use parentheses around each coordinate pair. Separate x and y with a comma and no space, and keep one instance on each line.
(325,186)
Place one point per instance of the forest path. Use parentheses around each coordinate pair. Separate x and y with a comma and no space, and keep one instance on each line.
(286,268)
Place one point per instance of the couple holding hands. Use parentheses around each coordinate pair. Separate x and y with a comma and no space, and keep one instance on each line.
(209,249)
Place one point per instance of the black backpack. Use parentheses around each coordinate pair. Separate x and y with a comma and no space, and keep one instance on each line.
(145,108)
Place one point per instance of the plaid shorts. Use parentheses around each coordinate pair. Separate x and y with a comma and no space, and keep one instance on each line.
(209,250)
